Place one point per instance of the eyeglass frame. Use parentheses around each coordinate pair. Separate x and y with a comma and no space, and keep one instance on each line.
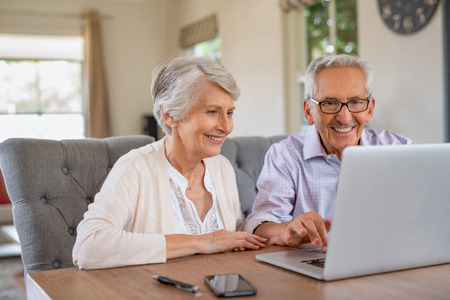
(342,105)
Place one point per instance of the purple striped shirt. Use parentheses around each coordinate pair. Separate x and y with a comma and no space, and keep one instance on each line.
(299,176)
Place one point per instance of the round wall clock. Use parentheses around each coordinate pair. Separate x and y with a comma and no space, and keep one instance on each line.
(406,16)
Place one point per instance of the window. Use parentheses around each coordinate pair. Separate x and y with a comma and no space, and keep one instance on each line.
(210,48)
(201,38)
(327,27)
(331,28)
(40,87)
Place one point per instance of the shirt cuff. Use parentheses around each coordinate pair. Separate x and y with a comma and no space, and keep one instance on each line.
(254,220)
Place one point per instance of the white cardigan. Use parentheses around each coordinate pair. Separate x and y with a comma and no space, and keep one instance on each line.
(133,211)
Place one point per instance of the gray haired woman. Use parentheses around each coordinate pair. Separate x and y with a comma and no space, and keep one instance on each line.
(177,196)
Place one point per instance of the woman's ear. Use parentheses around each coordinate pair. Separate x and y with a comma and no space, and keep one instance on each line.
(168,119)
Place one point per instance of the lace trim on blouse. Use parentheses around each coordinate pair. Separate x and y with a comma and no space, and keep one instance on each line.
(189,214)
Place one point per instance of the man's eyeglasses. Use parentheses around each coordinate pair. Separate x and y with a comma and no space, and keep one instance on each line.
(334,106)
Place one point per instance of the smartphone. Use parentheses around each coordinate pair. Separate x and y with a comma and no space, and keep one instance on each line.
(229,285)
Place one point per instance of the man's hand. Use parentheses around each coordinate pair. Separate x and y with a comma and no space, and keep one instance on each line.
(308,227)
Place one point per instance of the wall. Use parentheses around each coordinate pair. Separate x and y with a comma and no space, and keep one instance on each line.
(251,50)
(409,84)
(409,87)
(131,39)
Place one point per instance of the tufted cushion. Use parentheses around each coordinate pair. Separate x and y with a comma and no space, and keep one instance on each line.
(51,184)
(246,154)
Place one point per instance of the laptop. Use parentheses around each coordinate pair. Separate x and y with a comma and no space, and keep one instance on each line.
(391,213)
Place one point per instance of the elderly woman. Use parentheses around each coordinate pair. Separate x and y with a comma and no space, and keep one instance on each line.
(177,196)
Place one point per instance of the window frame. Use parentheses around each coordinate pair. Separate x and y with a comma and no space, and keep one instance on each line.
(18,50)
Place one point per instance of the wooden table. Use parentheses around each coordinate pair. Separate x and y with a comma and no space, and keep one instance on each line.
(271,282)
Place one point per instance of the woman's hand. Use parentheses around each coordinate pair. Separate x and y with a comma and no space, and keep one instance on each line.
(178,245)
(224,240)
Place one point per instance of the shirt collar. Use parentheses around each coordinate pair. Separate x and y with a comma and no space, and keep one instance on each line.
(313,146)
(364,140)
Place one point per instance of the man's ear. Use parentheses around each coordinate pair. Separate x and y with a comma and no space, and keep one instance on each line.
(370,110)
(308,112)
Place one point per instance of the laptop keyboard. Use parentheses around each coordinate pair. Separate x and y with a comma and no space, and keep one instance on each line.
(319,262)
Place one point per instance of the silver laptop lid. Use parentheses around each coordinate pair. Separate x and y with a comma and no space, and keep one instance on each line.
(392,210)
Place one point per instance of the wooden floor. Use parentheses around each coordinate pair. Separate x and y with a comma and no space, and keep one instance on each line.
(12,285)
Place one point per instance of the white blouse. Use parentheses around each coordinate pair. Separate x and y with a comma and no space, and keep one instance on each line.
(187,220)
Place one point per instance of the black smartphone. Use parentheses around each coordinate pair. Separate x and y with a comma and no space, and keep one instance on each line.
(229,285)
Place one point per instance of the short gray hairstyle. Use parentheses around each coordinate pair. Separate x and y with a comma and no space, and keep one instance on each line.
(177,84)
(336,61)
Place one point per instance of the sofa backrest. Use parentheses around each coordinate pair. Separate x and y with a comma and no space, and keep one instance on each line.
(246,154)
(51,184)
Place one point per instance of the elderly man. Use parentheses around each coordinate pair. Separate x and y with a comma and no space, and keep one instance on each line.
(298,183)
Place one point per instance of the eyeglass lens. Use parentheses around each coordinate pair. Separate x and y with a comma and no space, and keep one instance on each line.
(352,105)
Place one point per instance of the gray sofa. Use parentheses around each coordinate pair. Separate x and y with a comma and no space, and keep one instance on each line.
(51,183)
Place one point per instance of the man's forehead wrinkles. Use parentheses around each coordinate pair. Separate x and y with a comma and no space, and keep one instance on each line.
(341,99)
